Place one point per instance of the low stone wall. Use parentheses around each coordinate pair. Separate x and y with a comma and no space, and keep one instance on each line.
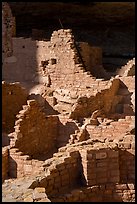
(127,159)
(35,133)
(21,165)
(100,166)
(69,174)
(63,174)
(99,193)
(5,163)
(99,100)
(13,97)
(110,129)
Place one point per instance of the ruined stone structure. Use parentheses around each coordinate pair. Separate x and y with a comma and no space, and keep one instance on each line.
(68,125)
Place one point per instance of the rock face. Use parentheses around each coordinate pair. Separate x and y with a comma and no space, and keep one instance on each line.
(68,124)
(111,12)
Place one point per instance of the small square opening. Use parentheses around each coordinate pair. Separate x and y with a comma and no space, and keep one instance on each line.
(44,63)
(53,61)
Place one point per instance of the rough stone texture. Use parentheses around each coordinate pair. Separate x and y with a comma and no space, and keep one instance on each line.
(128,69)
(27,128)
(100,166)
(13,97)
(57,178)
(5,163)
(8,27)
(71,136)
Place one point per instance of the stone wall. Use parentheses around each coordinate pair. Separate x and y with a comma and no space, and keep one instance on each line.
(7,30)
(13,97)
(110,129)
(127,159)
(21,165)
(92,58)
(99,100)
(99,193)
(35,128)
(5,163)
(54,63)
(128,93)
(63,175)
(61,178)
(128,69)
(105,170)
(100,166)
(66,127)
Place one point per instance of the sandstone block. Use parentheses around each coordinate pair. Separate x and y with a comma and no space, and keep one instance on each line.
(28,199)
(124,145)
(121,186)
(131,186)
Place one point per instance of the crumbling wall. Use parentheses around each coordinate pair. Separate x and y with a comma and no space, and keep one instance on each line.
(55,63)
(110,129)
(128,69)
(13,97)
(103,100)
(92,58)
(35,133)
(5,163)
(21,165)
(127,159)
(61,177)
(66,128)
(99,170)
(61,172)
(99,193)
(128,94)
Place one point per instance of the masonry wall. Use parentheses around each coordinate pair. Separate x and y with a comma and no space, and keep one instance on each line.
(103,164)
(127,159)
(13,97)
(66,127)
(102,100)
(35,133)
(99,193)
(5,163)
(55,63)
(21,165)
(24,61)
(110,129)
(128,93)
(92,58)
(128,69)
(65,172)
(100,166)
(125,142)
(62,172)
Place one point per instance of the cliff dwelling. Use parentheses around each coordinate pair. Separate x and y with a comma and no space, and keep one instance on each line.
(68,102)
